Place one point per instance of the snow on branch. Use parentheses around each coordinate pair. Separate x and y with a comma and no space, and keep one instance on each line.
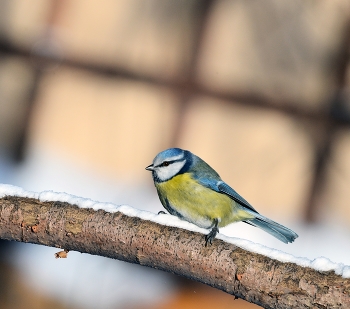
(124,233)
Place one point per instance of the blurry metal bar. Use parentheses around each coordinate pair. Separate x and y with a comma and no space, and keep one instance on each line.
(324,144)
(189,77)
(19,150)
(192,87)
(54,13)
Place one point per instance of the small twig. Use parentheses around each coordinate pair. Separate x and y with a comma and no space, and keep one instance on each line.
(62,254)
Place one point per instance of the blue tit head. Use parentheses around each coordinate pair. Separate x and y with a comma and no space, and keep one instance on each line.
(170,163)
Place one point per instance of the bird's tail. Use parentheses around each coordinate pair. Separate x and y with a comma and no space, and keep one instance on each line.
(275,229)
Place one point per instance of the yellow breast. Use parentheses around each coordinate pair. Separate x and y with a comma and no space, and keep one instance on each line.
(198,204)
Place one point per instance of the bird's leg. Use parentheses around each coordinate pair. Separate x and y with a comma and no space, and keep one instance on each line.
(209,238)
(161,212)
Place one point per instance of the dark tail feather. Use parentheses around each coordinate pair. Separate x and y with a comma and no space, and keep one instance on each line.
(275,229)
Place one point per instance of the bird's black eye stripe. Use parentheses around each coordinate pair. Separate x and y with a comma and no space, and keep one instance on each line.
(167,163)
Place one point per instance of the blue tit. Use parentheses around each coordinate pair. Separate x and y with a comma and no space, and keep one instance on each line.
(193,191)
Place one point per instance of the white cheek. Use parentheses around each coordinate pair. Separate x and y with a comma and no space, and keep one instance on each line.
(166,172)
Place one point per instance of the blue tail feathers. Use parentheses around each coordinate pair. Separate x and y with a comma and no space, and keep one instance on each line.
(273,228)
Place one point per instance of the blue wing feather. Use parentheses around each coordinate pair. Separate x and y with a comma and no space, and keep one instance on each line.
(226,189)
(209,178)
(222,187)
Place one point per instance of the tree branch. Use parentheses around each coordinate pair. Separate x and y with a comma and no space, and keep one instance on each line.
(250,276)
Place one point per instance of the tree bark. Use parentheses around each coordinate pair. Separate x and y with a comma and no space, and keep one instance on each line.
(250,276)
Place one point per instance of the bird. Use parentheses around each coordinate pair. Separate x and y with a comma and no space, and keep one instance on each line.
(193,191)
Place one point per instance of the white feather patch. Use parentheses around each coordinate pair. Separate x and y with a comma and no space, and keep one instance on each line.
(167,172)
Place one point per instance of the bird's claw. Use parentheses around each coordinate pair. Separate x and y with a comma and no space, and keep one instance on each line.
(209,238)
(161,212)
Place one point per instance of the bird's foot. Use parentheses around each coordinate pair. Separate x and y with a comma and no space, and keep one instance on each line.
(209,238)
(161,212)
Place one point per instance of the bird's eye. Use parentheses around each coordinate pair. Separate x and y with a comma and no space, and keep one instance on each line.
(166,163)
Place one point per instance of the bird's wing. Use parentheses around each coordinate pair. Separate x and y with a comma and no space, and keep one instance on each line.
(226,189)
(222,187)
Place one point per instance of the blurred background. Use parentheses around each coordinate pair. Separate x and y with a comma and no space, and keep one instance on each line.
(91,91)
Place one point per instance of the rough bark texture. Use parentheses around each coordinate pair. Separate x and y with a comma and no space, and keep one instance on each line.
(253,277)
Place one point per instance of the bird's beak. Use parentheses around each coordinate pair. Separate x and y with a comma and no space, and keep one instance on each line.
(150,168)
